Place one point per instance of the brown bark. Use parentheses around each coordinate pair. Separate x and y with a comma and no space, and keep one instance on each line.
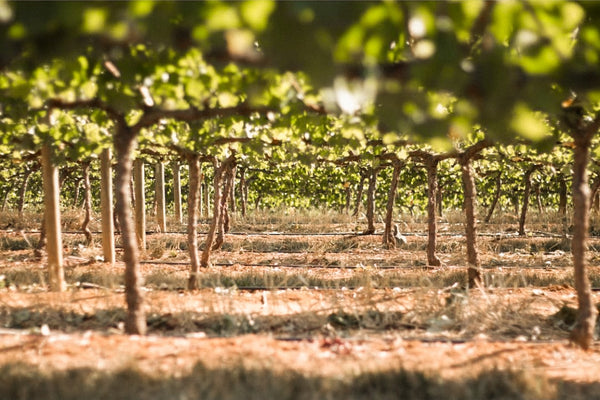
(22,191)
(526,195)
(231,192)
(538,199)
(359,192)
(348,191)
(5,198)
(132,190)
(140,203)
(38,252)
(161,209)
(438,200)
(205,258)
(177,192)
(497,191)
(583,332)
(223,221)
(192,232)
(201,190)
(257,202)
(595,186)
(106,205)
(389,238)
(243,192)
(87,204)
(62,178)
(52,221)
(562,206)
(473,271)
(125,142)
(431,165)
(562,197)
(77,190)
(226,224)
(371,202)
(205,197)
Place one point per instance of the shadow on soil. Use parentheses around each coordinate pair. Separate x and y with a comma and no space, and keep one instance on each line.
(286,326)
(213,324)
(22,381)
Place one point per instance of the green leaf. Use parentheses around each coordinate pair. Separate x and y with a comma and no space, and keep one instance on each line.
(528,124)
(256,13)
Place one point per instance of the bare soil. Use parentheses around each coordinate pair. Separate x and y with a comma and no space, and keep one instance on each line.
(305,316)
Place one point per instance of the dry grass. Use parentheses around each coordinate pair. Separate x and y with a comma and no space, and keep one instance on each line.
(22,381)
(527,287)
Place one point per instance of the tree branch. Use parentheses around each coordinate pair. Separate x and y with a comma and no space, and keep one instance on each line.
(92,103)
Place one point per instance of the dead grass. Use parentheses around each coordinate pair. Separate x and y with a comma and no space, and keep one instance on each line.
(528,283)
(19,380)
(450,313)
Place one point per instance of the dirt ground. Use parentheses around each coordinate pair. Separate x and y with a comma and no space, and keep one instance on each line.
(333,307)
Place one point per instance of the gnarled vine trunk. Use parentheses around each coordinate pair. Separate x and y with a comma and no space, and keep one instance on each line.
(106,205)
(125,142)
(22,191)
(359,192)
(140,202)
(583,332)
(538,198)
(439,199)
(431,165)
(206,196)
(371,202)
(218,175)
(348,191)
(192,231)
(161,207)
(562,197)
(38,252)
(389,239)
(177,192)
(243,192)
(526,195)
(5,197)
(87,204)
(231,192)
(223,221)
(473,271)
(497,190)
(77,190)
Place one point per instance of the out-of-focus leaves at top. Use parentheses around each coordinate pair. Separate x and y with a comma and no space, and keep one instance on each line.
(434,70)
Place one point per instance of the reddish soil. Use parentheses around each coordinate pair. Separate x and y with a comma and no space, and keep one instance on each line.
(421,328)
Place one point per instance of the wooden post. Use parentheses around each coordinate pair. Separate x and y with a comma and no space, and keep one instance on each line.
(106,205)
(140,203)
(52,221)
(159,177)
(177,192)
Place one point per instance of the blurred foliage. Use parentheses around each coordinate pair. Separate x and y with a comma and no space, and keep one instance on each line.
(329,81)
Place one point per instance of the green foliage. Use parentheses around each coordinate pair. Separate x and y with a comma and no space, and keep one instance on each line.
(368,78)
